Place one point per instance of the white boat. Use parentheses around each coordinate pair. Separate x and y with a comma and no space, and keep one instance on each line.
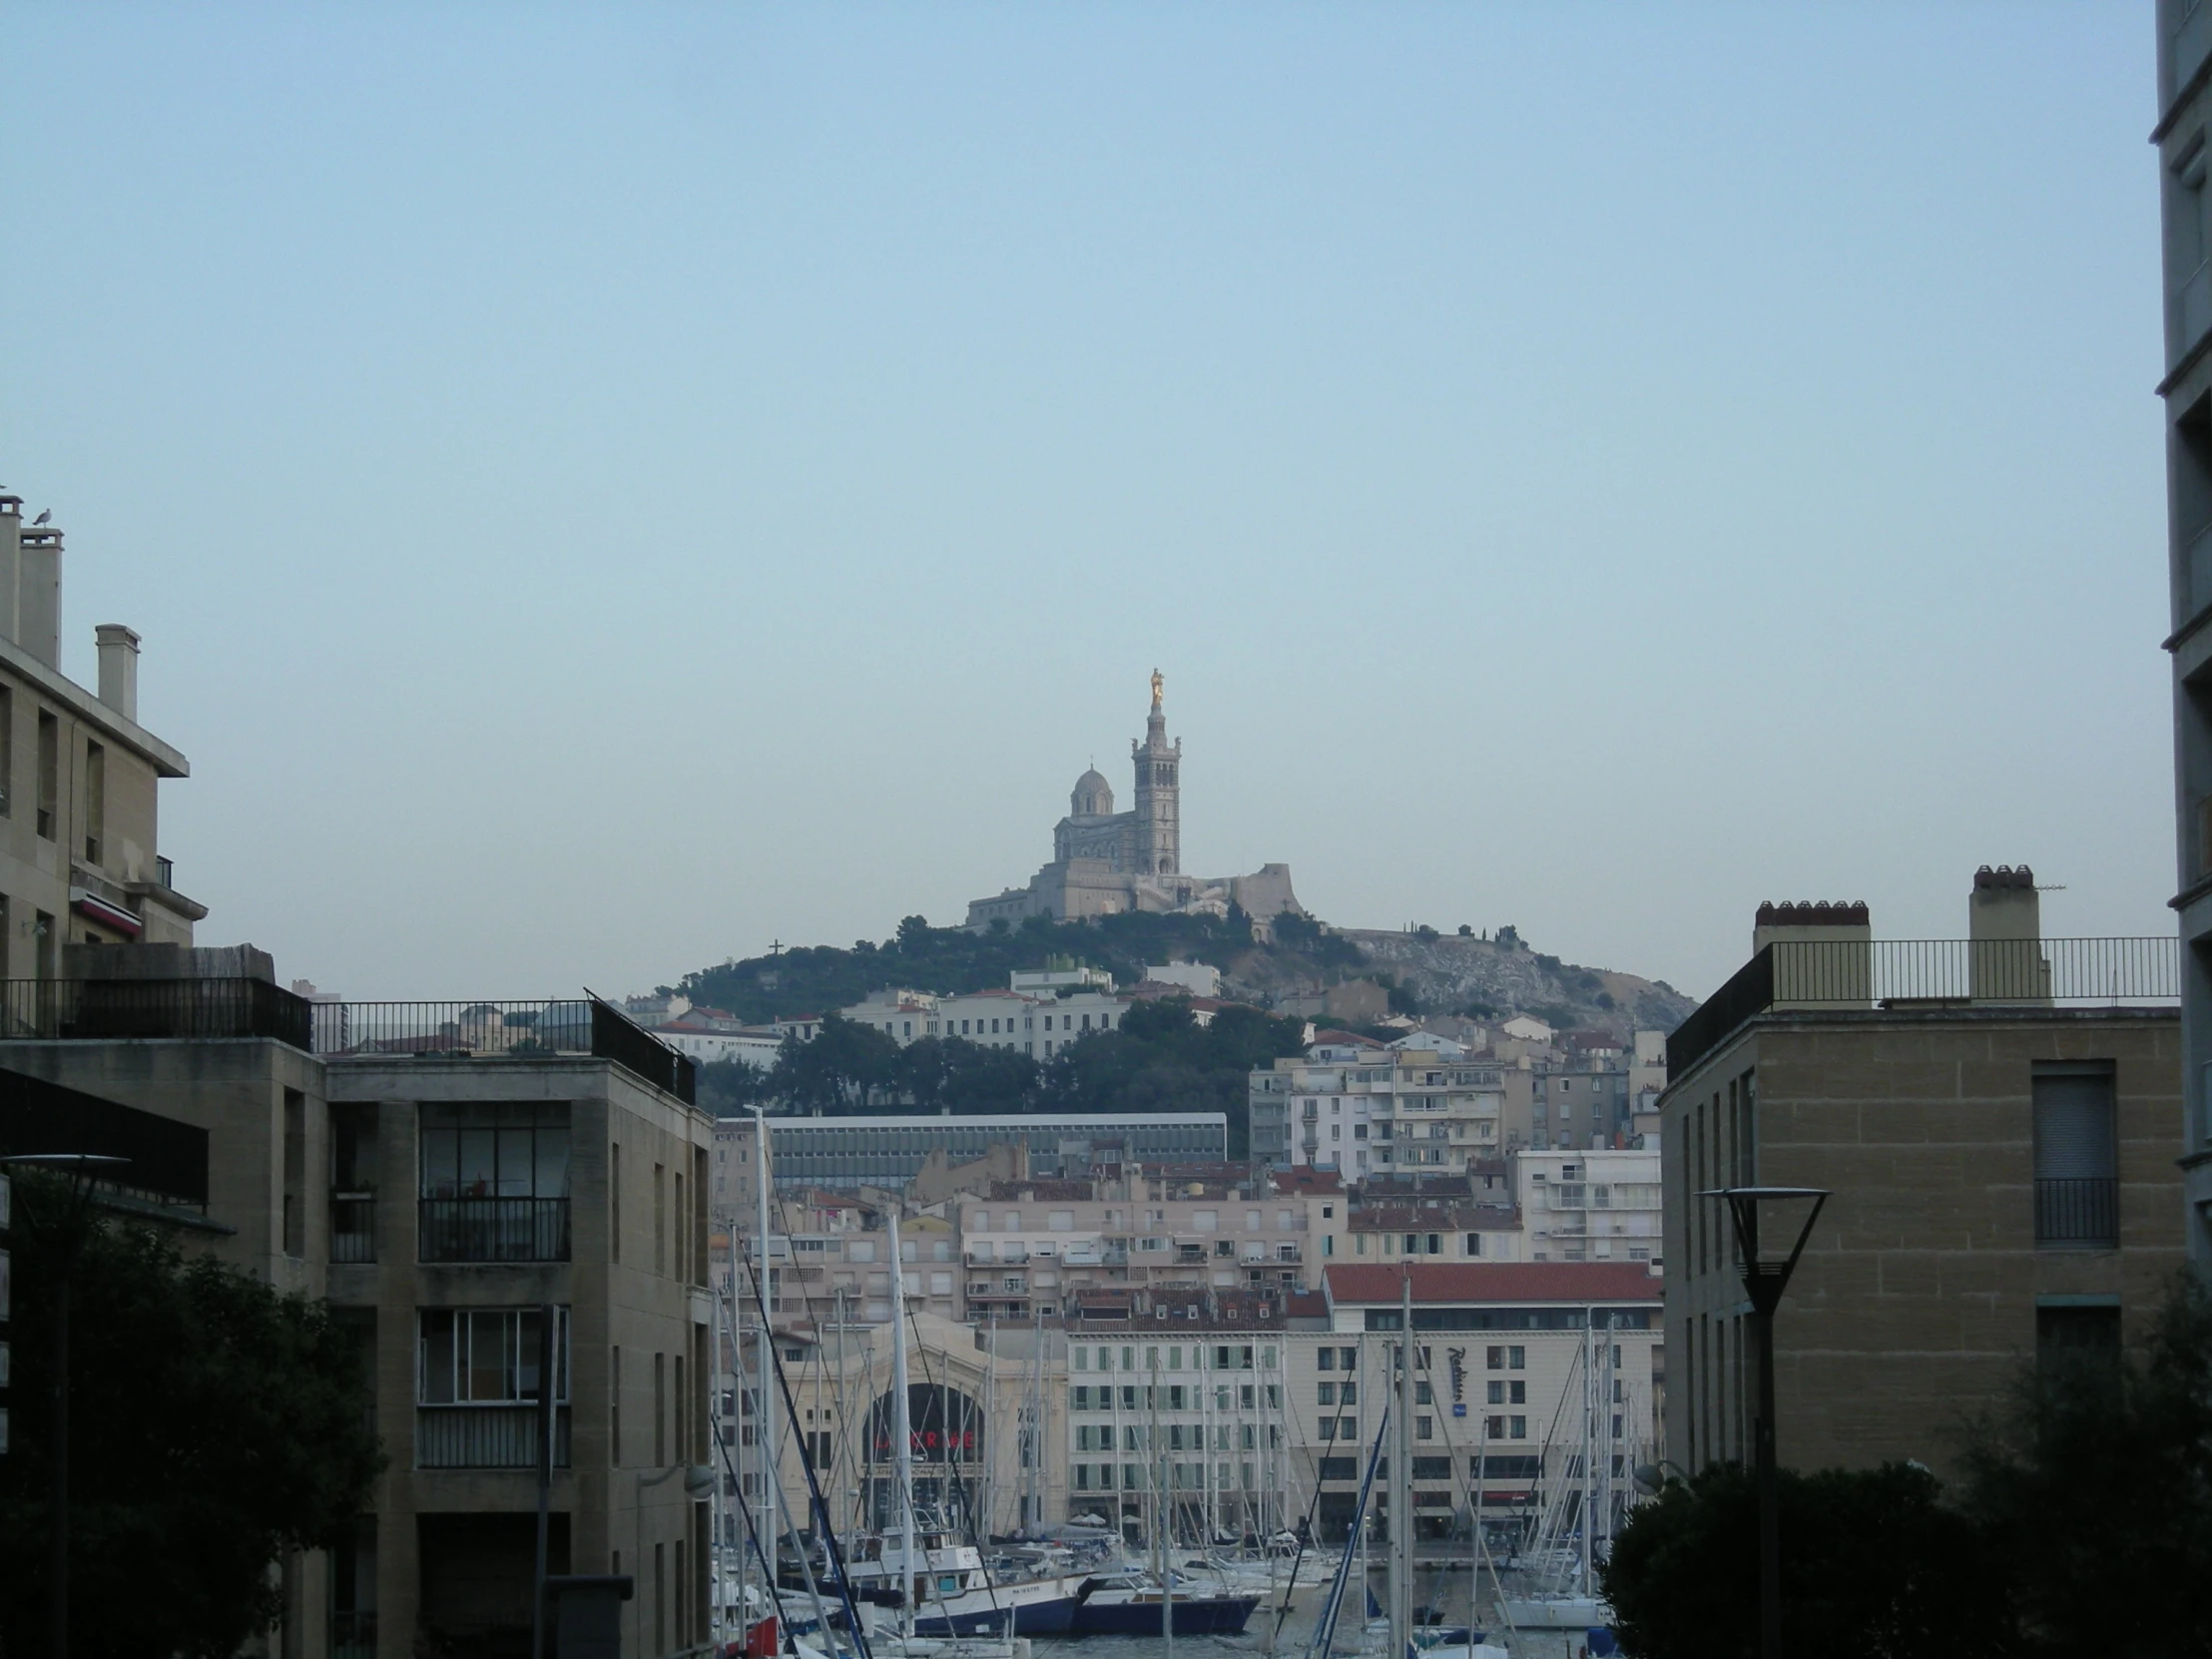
(1557,1613)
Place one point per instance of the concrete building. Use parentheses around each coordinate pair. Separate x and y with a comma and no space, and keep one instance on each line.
(79,785)
(1106,862)
(455,1169)
(1998,1119)
(1031,1246)
(1351,1104)
(1525,1363)
(2184,54)
(887,1150)
(1601,1206)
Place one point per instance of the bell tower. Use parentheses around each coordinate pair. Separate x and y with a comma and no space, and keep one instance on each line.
(1159,826)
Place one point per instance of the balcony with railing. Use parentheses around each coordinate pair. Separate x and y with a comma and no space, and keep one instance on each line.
(1900,975)
(188,1009)
(485,1437)
(498,1031)
(493,1230)
(352,1227)
(2078,1213)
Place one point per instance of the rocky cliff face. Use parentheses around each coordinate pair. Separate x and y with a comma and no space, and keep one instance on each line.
(1451,973)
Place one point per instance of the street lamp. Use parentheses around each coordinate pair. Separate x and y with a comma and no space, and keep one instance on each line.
(81,1169)
(1764,1279)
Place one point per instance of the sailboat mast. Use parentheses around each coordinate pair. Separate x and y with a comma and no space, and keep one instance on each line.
(1163,1521)
(764,1408)
(1589,1389)
(1401,1483)
(902,1439)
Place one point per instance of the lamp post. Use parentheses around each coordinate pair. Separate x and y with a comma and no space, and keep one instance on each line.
(1764,1279)
(81,1169)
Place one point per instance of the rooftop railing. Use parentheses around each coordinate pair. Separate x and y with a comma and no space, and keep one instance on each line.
(1931,974)
(90,1009)
(500,1031)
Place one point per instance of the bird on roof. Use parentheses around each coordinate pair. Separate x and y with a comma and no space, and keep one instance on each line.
(43,517)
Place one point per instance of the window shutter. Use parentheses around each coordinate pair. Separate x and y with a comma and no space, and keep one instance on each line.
(2073,1127)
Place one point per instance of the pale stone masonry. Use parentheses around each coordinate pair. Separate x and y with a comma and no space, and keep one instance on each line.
(80,780)
(2004,1177)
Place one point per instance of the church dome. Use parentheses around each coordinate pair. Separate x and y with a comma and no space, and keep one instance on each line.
(1092,796)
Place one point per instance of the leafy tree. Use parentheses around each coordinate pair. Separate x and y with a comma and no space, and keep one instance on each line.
(1874,1566)
(845,1067)
(214,1426)
(2094,1477)
(1160,1059)
(727,1088)
(953,1074)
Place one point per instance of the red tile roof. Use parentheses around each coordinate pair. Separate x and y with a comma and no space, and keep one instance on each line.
(1498,1282)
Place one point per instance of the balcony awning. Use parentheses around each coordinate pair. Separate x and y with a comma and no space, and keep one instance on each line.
(95,908)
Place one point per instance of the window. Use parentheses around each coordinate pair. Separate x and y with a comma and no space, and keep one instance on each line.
(2069,1331)
(1325,1394)
(96,800)
(7,750)
(1517,1359)
(1348,1394)
(2076,1158)
(1516,1394)
(1423,1394)
(49,772)
(1348,1359)
(496,1151)
(1494,1427)
(1494,1359)
(1425,1428)
(485,1356)
(1496,1394)
(1519,1429)
(1325,1360)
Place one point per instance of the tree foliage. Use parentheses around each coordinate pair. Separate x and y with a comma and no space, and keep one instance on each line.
(1158,1059)
(2081,1523)
(1874,1566)
(949,960)
(2094,1477)
(214,1426)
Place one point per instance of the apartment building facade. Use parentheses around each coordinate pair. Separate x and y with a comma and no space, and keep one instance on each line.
(80,779)
(1525,1374)
(1999,1120)
(1031,1248)
(1592,1206)
(440,1190)
(2184,123)
(1358,1107)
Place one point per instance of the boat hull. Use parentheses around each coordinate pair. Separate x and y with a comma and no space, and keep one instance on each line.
(1194,1616)
(1558,1613)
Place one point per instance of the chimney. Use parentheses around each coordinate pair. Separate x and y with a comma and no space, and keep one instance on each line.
(11,559)
(2005,931)
(38,619)
(1822,956)
(119,655)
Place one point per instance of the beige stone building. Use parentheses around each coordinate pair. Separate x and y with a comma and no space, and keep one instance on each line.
(1998,1119)
(79,781)
(439,1180)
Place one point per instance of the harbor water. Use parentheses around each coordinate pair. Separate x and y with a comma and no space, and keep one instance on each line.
(1444,1590)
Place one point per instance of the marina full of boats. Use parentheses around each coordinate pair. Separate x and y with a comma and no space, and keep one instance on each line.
(921,1579)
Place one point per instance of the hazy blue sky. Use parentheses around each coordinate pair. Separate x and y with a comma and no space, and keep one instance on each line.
(604,488)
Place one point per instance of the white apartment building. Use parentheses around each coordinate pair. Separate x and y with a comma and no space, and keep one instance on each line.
(1038,1023)
(1517,1366)
(1361,1109)
(1591,1206)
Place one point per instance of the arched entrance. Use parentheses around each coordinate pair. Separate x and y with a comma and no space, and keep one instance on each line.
(948,1443)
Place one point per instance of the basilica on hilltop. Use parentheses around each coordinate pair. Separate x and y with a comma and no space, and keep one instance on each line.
(1106,862)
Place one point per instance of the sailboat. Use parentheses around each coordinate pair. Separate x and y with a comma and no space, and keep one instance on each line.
(1571,1601)
(921,1565)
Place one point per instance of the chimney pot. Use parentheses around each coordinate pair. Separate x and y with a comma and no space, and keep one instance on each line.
(119,655)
